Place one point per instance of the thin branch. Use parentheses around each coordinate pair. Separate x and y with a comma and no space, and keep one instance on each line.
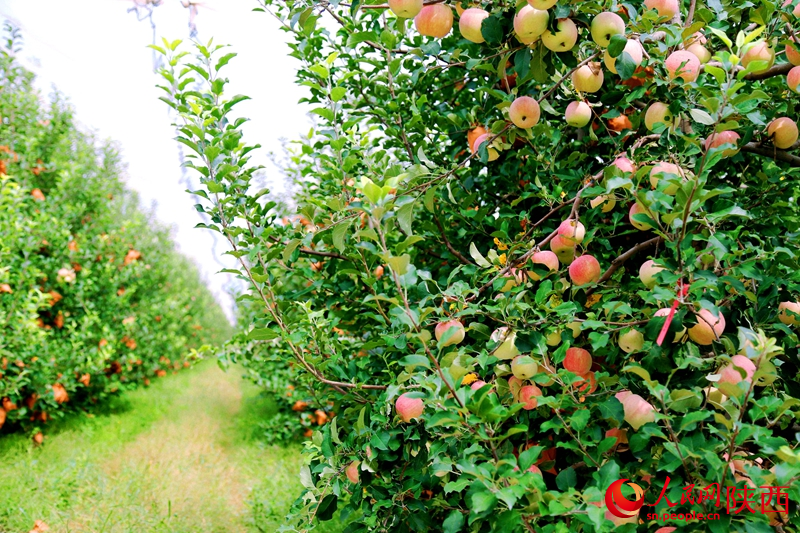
(774,153)
(461,257)
(309,251)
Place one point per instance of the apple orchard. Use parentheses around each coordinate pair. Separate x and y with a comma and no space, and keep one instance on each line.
(539,247)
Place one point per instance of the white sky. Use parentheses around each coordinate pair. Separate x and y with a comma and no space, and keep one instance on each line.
(94,52)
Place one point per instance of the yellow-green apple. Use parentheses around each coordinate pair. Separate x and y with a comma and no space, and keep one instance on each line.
(793,79)
(572,230)
(553,338)
(529,395)
(792,54)
(523,367)
(659,113)
(563,248)
(491,150)
(546,258)
(789,307)
(456,336)
(607,201)
(529,24)
(631,341)
(639,209)
(604,26)
(575,327)
(758,51)
(409,408)
(783,132)
(647,273)
(679,335)
(542,4)
(435,20)
(470,24)
(632,48)
(352,471)
(696,45)
(524,112)
(585,269)
(665,8)
(563,39)
(624,164)
(579,114)
(638,411)
(588,78)
(721,138)
(730,373)
(683,64)
(577,360)
(406,9)
(669,171)
(507,349)
(708,327)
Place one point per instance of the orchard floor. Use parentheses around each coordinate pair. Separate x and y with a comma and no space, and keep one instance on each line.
(179,456)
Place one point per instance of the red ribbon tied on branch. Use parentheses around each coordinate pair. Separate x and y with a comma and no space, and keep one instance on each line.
(683,290)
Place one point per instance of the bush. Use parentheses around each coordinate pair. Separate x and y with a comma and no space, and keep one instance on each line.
(93,297)
(424,199)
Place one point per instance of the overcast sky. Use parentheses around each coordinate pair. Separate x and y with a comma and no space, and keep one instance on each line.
(95,52)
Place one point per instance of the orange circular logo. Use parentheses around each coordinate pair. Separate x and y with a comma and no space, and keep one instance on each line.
(619,505)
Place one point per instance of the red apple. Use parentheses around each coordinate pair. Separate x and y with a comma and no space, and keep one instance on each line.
(721,138)
(585,269)
(578,361)
(572,230)
(730,374)
(578,114)
(435,20)
(524,112)
(409,408)
(683,64)
(563,39)
(546,258)
(456,337)
(528,395)
(783,132)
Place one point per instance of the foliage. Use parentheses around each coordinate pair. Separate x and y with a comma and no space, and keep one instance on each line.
(401,227)
(93,297)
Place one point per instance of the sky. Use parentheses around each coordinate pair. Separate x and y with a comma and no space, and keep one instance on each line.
(95,53)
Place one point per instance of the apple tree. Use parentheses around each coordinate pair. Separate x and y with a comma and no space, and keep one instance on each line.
(539,247)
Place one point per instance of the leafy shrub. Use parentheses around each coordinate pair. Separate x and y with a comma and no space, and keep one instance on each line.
(93,297)
(423,203)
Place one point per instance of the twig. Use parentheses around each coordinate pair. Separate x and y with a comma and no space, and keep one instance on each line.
(774,153)
(449,246)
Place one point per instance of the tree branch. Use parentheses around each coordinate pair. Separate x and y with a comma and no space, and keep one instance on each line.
(617,262)
(449,246)
(774,153)
(777,70)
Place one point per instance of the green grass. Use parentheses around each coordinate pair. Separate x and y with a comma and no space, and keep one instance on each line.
(180,456)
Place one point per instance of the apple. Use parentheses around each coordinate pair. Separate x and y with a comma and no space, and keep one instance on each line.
(477,385)
(515,277)
(758,51)
(632,48)
(637,410)
(588,78)
(542,4)
(572,230)
(786,318)
(579,114)
(607,201)
(604,26)
(575,327)
(507,349)
(723,137)
(696,46)
(620,434)
(514,386)
(553,338)
(624,164)
(792,54)
(631,341)
(409,408)
(530,23)
(665,8)
(639,209)
(523,367)
(435,20)
(793,79)
(647,273)
(546,258)
(528,395)
(352,471)
(473,134)
(578,361)
(406,9)
(585,269)
(470,24)
(679,335)
(659,113)
(668,171)
(783,132)
(535,469)
(563,39)
(563,248)
(708,327)
(730,374)
(457,335)
(683,64)
(491,150)
(524,112)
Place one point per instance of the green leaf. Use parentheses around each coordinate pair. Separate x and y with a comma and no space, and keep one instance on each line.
(454,522)
(262,334)
(625,66)
(400,264)
(338,235)
(698,115)
(289,250)
(337,93)
(566,479)
(405,216)
(478,257)
(327,507)
(492,29)
(617,45)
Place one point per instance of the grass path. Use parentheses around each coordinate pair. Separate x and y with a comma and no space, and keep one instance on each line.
(177,457)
